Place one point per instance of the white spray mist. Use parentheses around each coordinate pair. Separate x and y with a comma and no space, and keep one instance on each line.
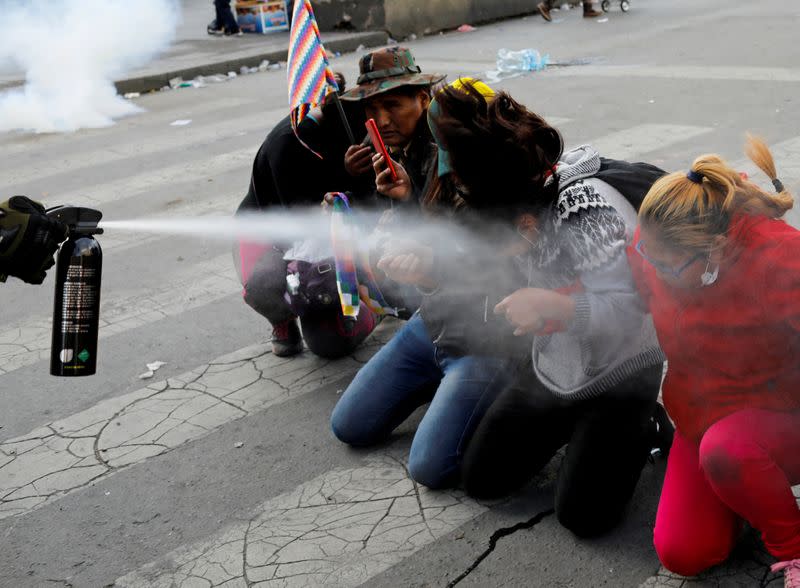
(71,51)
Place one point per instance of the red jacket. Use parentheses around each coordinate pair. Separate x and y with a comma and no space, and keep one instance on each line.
(735,344)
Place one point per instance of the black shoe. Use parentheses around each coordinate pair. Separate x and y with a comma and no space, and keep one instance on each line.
(662,431)
(286,339)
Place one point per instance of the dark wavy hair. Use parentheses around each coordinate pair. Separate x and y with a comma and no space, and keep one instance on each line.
(500,151)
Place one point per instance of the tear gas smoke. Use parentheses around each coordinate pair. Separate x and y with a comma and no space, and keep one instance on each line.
(70,52)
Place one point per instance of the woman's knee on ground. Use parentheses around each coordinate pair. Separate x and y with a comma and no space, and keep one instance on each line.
(431,470)
(353,428)
(688,556)
(329,347)
(488,478)
(588,518)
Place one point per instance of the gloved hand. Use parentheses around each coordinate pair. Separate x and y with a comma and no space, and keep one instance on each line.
(28,240)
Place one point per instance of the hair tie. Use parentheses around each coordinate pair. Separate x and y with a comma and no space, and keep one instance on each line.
(778,185)
(694,176)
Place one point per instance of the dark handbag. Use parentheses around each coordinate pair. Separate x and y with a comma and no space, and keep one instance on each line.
(311,287)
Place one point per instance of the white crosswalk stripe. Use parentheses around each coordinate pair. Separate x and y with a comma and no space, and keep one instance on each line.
(184,138)
(683,72)
(641,139)
(339,529)
(32,145)
(208,167)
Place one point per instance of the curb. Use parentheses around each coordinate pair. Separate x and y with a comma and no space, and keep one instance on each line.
(157,81)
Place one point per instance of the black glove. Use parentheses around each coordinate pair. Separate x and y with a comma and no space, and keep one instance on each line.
(28,240)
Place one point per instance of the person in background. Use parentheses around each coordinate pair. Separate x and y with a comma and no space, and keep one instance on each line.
(546,6)
(720,270)
(224,23)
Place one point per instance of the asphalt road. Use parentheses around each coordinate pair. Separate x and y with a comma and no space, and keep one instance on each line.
(114,479)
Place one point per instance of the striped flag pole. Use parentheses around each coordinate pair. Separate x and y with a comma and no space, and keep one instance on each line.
(308,70)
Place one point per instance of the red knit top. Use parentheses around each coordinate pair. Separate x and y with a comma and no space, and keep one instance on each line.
(735,344)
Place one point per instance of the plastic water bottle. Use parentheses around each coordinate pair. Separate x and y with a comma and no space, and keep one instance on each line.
(521,61)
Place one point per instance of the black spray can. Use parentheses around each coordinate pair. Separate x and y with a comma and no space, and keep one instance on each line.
(76,312)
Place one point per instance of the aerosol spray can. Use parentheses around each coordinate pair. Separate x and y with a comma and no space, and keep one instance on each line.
(76,312)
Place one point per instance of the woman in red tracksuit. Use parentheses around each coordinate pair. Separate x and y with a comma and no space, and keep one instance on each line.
(721,273)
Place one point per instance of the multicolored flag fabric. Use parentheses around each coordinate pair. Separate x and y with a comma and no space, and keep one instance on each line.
(309,73)
(352,264)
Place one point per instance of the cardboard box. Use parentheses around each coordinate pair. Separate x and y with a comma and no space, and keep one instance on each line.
(262,16)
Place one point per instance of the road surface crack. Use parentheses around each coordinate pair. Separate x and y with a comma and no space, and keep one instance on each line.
(496,536)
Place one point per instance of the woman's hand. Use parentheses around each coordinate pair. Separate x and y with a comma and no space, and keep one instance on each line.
(407,262)
(358,160)
(529,309)
(399,190)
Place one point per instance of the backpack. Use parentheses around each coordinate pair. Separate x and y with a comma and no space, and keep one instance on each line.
(632,180)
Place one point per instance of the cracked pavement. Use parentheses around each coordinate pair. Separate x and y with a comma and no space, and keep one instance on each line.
(338,529)
(74,452)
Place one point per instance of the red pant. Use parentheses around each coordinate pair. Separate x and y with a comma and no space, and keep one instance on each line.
(742,470)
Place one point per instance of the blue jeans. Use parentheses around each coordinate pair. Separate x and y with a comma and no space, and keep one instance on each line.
(405,374)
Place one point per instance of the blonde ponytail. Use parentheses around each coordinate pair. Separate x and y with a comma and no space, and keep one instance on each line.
(690,210)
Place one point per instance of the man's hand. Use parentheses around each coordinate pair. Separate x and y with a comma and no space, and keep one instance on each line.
(399,190)
(529,309)
(407,262)
(28,239)
(358,160)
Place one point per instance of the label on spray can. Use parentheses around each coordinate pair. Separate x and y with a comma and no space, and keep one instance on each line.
(76,313)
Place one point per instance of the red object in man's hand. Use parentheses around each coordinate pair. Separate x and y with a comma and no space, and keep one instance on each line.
(377,142)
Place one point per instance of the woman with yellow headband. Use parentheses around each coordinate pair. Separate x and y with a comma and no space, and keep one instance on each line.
(721,273)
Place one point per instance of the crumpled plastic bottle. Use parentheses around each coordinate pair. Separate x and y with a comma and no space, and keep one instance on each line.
(521,61)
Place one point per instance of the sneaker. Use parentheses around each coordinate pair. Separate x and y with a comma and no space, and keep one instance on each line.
(791,572)
(544,10)
(662,432)
(214,29)
(286,339)
(236,33)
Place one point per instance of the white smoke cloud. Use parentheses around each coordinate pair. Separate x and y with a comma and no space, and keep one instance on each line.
(70,52)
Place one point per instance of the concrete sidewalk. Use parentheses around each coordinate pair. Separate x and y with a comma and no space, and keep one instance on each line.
(194,52)
(219,55)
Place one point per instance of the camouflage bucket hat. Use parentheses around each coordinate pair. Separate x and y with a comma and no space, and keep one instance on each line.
(387,69)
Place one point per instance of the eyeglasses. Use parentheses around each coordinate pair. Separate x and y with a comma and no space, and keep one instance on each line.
(663,267)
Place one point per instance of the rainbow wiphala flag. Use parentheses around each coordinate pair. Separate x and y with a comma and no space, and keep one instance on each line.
(352,262)
(309,73)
